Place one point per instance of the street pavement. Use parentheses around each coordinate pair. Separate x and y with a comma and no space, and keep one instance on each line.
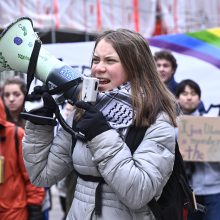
(56,212)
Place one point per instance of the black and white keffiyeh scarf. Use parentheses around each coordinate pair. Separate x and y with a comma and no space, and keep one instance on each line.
(116,106)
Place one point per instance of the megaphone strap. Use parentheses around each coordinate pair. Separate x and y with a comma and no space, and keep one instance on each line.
(67,128)
(33,63)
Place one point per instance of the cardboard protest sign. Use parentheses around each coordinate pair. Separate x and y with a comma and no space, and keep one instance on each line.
(199,138)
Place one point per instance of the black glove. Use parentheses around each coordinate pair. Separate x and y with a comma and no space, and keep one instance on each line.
(92,122)
(49,106)
(35,212)
(43,115)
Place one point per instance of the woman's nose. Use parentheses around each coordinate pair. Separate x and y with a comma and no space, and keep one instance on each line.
(11,97)
(100,67)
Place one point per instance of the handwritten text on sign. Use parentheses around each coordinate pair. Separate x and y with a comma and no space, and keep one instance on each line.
(199,138)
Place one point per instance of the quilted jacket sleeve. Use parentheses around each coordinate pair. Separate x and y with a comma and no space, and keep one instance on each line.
(47,159)
(136,178)
(35,195)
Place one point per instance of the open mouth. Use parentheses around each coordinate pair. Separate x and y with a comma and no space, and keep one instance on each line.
(104,81)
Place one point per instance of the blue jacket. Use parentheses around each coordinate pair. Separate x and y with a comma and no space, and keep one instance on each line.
(172,85)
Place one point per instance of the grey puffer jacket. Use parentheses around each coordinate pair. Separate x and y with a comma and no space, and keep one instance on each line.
(131,180)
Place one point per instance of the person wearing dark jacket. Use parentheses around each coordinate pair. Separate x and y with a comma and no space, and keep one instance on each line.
(166,67)
(204,176)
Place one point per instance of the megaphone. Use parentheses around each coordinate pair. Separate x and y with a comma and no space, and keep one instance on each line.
(17,43)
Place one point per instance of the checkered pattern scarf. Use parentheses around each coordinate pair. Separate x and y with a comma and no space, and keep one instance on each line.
(116,106)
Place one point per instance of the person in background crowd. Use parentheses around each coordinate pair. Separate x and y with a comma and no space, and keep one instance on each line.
(204,176)
(13,92)
(126,88)
(166,67)
(19,199)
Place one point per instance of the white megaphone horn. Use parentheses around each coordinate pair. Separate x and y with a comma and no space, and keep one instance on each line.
(17,43)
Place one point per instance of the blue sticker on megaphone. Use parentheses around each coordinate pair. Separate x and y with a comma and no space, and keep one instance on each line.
(18,40)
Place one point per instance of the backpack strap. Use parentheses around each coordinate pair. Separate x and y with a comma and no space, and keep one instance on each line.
(134,137)
(16,138)
(98,191)
(155,209)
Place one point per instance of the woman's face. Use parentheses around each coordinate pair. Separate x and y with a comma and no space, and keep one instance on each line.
(13,97)
(107,67)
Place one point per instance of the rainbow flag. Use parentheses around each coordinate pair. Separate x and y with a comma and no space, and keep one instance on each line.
(204,44)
